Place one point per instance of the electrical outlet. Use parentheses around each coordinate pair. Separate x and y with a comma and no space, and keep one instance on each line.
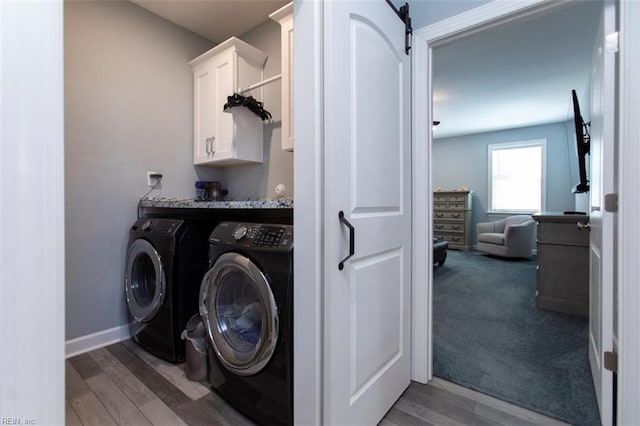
(153,178)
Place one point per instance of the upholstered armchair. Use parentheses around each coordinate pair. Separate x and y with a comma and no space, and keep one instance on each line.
(508,237)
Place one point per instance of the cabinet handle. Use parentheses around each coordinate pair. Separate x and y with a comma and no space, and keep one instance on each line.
(209,145)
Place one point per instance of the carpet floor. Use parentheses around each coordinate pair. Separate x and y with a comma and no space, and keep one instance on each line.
(489,336)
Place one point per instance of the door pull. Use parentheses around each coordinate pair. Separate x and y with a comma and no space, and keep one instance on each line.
(352,237)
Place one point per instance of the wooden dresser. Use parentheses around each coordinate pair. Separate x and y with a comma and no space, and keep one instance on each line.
(452,218)
(563,264)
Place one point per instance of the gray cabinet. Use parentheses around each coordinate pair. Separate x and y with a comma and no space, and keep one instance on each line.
(452,218)
(563,264)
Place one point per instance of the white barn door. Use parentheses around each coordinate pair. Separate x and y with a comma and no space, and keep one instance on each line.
(367,173)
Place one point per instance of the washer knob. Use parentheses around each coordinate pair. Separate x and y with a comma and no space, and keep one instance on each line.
(240,233)
(146,226)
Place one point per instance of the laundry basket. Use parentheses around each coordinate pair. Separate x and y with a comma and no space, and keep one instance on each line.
(196,349)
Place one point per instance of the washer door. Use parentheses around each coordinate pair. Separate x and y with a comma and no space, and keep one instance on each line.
(239,313)
(144,281)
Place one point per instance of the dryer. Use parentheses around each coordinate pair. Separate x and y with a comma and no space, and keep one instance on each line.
(166,260)
(246,304)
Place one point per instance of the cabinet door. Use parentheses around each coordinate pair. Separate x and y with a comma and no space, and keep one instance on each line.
(205,114)
(284,17)
(287,83)
(213,128)
(224,74)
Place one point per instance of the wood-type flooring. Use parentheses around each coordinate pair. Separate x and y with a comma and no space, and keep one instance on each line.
(122,384)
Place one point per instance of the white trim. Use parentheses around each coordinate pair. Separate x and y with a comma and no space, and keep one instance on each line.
(32,263)
(425,40)
(422,249)
(628,266)
(96,340)
(307,215)
(542,143)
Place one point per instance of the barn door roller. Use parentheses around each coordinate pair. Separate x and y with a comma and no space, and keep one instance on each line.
(403,14)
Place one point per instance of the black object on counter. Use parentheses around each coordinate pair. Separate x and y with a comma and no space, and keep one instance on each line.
(211,191)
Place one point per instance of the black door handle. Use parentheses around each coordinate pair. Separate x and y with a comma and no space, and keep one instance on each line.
(352,238)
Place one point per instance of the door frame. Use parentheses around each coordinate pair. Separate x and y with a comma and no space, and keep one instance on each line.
(628,242)
(628,268)
(32,247)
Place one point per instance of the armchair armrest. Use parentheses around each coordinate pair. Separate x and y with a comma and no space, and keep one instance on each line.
(521,230)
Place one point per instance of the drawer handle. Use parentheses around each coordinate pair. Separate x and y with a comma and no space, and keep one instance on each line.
(582,226)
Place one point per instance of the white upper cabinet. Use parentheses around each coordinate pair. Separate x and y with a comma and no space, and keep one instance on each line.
(284,16)
(226,138)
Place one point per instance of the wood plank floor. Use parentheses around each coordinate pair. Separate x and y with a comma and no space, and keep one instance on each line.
(123,385)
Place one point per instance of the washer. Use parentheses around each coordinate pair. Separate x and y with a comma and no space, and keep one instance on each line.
(246,304)
(166,260)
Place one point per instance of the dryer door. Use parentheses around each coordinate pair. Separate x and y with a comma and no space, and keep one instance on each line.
(239,313)
(144,281)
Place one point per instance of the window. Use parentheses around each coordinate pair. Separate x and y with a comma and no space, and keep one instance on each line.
(517,176)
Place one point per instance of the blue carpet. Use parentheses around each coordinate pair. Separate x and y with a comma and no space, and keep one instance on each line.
(488,336)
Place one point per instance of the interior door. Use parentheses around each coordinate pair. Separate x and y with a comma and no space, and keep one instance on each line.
(367,177)
(601,253)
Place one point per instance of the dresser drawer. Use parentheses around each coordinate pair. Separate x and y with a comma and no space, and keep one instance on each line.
(448,227)
(562,233)
(453,239)
(457,198)
(439,206)
(440,198)
(457,206)
(448,215)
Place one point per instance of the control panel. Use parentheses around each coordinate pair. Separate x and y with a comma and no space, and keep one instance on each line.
(156,225)
(253,235)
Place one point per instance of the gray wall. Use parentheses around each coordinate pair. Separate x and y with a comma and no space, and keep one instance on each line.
(260,180)
(462,161)
(128,109)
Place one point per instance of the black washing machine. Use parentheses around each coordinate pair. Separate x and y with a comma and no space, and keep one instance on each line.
(166,260)
(246,304)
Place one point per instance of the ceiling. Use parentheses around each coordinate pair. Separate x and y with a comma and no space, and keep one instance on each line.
(515,75)
(216,20)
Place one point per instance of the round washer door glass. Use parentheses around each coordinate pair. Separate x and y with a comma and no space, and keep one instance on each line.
(240,312)
(144,281)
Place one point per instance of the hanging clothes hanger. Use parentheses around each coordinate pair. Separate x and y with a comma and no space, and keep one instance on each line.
(249,102)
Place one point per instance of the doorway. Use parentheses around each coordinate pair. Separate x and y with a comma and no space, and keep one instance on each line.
(439,37)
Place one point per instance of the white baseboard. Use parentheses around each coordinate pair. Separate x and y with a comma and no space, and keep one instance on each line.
(97,340)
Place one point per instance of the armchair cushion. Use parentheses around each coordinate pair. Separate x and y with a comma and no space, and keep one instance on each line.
(492,238)
(509,237)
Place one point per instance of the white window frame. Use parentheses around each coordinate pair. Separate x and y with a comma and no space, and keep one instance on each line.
(543,182)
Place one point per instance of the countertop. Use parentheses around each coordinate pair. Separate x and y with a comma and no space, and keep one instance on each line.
(191,203)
